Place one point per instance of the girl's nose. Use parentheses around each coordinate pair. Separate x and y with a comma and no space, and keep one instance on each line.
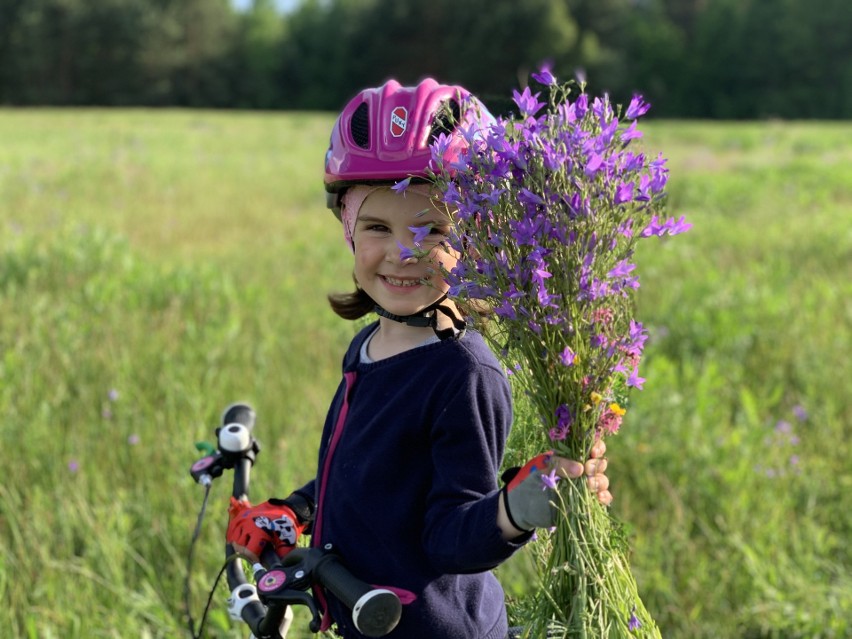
(402,255)
(402,260)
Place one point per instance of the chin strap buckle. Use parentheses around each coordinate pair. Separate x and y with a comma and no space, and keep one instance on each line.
(428,317)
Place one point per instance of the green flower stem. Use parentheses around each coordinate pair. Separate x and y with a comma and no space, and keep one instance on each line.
(587,569)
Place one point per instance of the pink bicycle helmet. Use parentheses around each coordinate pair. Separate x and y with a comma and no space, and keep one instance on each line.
(383,134)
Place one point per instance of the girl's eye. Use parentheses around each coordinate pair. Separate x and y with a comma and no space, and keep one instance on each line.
(378,228)
(436,235)
(429,231)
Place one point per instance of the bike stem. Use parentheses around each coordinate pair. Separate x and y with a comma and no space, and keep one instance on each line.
(376,611)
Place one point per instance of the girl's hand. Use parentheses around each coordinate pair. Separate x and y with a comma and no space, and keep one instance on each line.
(527,497)
(594,469)
(251,528)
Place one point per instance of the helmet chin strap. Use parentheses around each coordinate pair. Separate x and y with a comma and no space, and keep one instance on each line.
(428,317)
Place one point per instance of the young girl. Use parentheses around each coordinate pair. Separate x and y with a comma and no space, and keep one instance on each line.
(407,489)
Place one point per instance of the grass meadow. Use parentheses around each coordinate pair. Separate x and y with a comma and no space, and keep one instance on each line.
(157,265)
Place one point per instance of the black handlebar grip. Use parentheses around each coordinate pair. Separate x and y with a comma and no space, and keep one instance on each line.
(239,414)
(375,611)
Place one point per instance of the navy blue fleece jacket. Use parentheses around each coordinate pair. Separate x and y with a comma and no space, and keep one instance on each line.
(406,487)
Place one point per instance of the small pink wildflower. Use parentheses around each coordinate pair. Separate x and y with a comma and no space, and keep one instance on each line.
(602,316)
(558,434)
(610,422)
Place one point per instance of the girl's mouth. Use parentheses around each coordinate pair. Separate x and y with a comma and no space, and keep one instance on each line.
(393,281)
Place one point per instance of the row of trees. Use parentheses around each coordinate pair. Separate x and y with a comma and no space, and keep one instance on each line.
(691,58)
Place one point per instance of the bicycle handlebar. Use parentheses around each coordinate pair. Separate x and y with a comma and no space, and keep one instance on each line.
(375,611)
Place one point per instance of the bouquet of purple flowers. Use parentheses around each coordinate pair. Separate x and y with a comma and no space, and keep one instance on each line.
(548,207)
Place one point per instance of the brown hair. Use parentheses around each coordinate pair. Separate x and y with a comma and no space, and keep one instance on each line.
(353,305)
(357,304)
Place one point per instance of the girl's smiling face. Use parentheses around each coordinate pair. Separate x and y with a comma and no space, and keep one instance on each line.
(382,232)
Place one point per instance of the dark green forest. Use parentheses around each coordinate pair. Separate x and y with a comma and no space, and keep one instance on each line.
(731,59)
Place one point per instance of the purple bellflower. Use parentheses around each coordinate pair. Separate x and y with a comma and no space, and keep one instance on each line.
(548,207)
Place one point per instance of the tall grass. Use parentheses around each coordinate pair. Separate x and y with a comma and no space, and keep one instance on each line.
(155,266)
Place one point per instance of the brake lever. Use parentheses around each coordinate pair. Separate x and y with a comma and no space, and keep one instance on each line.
(277,594)
(287,581)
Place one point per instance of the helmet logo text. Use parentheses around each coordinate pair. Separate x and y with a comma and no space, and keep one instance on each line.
(398,121)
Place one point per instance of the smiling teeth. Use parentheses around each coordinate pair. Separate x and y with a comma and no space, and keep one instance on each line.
(396,282)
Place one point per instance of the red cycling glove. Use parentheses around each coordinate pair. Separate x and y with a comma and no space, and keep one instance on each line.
(272,522)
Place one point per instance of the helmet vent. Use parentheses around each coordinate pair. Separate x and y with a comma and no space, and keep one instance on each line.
(446,119)
(359,126)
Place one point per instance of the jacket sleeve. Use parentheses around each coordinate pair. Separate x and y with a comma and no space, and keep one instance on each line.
(303,502)
(468,440)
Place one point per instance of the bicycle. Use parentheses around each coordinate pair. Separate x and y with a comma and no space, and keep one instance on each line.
(264,606)
(279,583)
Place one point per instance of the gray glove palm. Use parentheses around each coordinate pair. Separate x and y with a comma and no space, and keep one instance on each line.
(530,497)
